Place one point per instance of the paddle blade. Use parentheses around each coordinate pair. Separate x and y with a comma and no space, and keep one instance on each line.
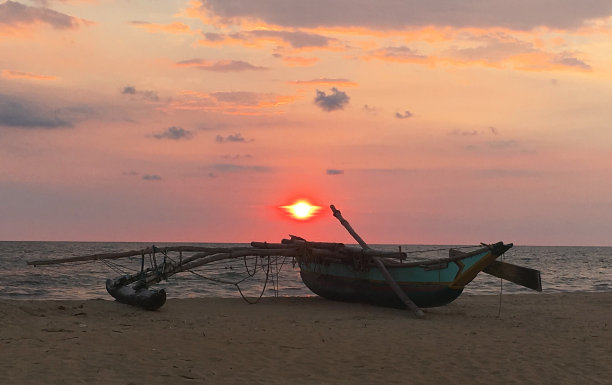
(524,276)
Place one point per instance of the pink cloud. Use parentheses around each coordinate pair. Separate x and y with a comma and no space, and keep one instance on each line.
(220,65)
(174,28)
(8,74)
(14,15)
(299,61)
(236,102)
(326,82)
(392,14)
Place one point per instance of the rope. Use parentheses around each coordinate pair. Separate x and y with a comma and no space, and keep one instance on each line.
(249,275)
(262,290)
(501,289)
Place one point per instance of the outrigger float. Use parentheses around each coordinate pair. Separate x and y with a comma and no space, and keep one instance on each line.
(331,270)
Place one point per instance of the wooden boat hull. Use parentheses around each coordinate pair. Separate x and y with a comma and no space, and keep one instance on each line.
(427,284)
(142,297)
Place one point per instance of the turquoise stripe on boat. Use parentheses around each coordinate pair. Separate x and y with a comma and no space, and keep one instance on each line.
(412,274)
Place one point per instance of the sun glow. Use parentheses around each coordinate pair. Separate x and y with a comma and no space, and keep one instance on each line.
(301,210)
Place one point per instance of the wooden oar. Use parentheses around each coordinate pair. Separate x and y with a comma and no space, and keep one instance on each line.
(524,276)
(381,266)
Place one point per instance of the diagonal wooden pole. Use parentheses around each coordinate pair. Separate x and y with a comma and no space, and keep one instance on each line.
(381,266)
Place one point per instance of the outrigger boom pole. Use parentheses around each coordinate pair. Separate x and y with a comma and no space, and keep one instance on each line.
(381,266)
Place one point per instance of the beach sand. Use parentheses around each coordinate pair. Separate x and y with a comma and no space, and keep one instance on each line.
(538,339)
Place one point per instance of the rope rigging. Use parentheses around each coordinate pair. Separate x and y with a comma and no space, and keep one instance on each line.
(217,265)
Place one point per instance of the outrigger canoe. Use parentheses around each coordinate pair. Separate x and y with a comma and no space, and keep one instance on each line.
(427,284)
(331,270)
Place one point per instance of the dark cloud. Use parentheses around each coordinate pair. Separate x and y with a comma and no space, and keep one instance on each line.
(493,130)
(129,90)
(242,98)
(333,171)
(370,109)
(393,14)
(147,95)
(151,177)
(220,66)
(402,53)
(214,37)
(237,168)
(237,156)
(233,138)
(174,133)
(336,100)
(295,39)
(458,132)
(404,115)
(14,14)
(25,114)
(568,60)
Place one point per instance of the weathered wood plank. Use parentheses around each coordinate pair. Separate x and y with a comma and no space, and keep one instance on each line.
(524,276)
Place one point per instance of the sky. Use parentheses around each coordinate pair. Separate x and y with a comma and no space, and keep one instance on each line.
(424,122)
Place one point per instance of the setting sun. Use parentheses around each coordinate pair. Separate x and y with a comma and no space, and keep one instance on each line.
(301,210)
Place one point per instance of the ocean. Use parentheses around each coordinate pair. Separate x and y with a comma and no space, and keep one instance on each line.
(563,269)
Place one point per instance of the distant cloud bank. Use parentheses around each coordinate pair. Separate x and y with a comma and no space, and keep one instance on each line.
(26,114)
(517,15)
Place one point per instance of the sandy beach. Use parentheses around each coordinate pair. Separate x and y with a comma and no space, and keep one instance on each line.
(538,339)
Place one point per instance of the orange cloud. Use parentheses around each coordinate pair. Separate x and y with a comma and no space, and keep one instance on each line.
(326,82)
(220,65)
(495,49)
(236,103)
(300,61)
(293,40)
(174,28)
(8,74)
(399,54)
(542,61)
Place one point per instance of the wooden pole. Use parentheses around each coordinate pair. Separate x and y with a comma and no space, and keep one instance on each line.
(381,266)
(125,254)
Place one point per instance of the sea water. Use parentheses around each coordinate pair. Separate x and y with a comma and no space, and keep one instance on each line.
(563,269)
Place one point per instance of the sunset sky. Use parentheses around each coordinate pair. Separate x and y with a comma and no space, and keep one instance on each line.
(428,122)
